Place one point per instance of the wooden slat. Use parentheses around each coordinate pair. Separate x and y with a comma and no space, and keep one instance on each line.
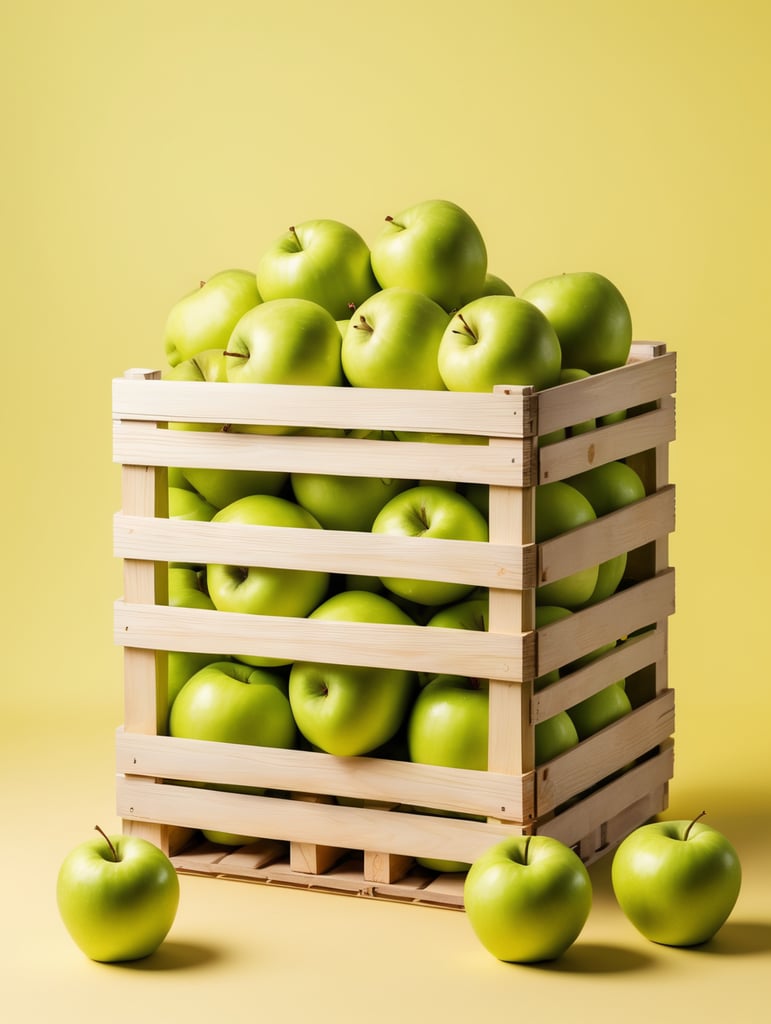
(607,536)
(504,414)
(605,444)
(406,460)
(420,648)
(628,657)
(641,381)
(356,828)
(474,563)
(625,612)
(607,751)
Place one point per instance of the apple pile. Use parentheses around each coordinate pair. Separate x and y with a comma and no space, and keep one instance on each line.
(416,309)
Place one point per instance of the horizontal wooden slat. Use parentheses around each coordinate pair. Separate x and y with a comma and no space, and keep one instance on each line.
(420,648)
(356,828)
(609,535)
(504,413)
(406,460)
(598,808)
(603,753)
(630,656)
(643,380)
(626,611)
(475,563)
(605,444)
(365,778)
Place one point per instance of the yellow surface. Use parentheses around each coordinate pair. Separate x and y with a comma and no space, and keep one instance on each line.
(149,145)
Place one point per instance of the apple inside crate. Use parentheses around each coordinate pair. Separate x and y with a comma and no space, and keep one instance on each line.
(376,822)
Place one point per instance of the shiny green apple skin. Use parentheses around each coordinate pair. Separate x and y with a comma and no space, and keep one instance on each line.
(117,910)
(430,511)
(228,702)
(392,341)
(559,508)
(187,588)
(589,314)
(495,285)
(184,664)
(209,365)
(189,504)
(527,899)
(433,247)
(600,710)
(448,723)
(205,318)
(349,710)
(498,339)
(260,590)
(676,891)
(554,736)
(321,260)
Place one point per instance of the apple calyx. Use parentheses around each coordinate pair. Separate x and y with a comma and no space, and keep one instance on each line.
(113,851)
(466,329)
(364,325)
(688,830)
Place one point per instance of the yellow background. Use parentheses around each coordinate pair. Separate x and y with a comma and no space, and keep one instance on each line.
(147,145)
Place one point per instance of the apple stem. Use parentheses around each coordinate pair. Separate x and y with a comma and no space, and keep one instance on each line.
(107,840)
(688,830)
(362,325)
(467,329)
(527,846)
(296,236)
(201,284)
(235,355)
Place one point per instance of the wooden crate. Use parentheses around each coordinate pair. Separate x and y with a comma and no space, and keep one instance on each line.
(589,797)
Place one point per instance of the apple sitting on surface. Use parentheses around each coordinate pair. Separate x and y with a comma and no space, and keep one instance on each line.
(435,248)
(527,898)
(498,339)
(349,710)
(676,881)
(590,316)
(608,488)
(321,260)
(205,318)
(118,897)
(228,702)
(430,511)
(261,590)
(559,508)
(392,341)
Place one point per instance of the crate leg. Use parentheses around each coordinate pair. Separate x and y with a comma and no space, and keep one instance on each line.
(312,859)
(159,835)
(385,867)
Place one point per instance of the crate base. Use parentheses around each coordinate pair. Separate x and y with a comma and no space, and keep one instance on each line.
(268,862)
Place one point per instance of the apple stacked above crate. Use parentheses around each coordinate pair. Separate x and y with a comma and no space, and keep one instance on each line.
(371,823)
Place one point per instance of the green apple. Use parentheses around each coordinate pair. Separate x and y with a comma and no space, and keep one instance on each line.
(470,614)
(527,898)
(261,590)
(392,341)
(433,247)
(118,897)
(558,509)
(554,736)
(209,365)
(228,702)
(321,260)
(600,710)
(347,710)
(285,341)
(498,339)
(448,724)
(589,314)
(494,285)
(676,881)
(226,838)
(185,503)
(430,511)
(205,318)
(221,487)
(187,588)
(608,488)
(347,502)
(184,664)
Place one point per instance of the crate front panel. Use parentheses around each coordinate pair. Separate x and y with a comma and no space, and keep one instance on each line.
(561,795)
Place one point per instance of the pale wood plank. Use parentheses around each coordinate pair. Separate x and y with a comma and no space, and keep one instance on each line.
(474,563)
(377,781)
(386,867)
